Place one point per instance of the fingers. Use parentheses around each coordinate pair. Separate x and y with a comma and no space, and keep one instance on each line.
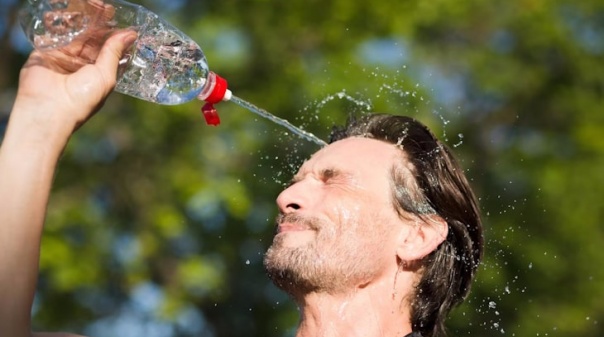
(112,52)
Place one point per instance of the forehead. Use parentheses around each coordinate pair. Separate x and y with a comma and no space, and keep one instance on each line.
(355,155)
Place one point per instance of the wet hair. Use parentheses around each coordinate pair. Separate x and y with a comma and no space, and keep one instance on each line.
(439,188)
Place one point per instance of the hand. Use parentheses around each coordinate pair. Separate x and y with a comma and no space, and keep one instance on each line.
(51,96)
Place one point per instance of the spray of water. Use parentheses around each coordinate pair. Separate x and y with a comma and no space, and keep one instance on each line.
(263,113)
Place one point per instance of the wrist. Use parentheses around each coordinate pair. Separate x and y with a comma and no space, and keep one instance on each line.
(37,125)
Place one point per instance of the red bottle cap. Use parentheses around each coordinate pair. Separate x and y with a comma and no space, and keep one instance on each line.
(219,90)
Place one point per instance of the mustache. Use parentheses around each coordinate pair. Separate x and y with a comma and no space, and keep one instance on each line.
(297,219)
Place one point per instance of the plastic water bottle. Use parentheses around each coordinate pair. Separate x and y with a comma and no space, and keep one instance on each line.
(163,66)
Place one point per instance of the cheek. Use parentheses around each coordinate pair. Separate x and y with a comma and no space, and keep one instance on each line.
(355,226)
(350,215)
(347,216)
(356,218)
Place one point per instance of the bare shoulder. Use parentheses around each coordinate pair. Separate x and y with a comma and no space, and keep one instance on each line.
(54,334)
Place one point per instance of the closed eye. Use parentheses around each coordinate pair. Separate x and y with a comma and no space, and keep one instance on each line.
(334,175)
(325,175)
(328,174)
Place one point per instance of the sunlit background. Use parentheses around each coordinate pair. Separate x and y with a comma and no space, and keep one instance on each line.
(157,223)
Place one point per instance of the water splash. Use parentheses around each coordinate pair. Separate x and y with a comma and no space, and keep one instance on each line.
(396,91)
(263,113)
(343,95)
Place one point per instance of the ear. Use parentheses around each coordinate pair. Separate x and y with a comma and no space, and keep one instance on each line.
(420,237)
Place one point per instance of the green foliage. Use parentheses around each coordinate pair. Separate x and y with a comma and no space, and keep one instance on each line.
(157,214)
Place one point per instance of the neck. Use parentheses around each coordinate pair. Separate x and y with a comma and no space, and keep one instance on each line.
(373,310)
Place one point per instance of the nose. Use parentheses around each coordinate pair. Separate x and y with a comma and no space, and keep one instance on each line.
(293,198)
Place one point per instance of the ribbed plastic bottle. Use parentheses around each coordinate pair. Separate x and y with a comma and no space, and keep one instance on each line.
(163,66)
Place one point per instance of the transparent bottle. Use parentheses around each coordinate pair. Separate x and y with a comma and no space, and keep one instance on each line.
(163,66)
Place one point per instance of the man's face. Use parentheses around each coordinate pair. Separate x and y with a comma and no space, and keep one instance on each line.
(337,224)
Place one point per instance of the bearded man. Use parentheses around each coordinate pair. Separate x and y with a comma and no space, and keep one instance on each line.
(379,233)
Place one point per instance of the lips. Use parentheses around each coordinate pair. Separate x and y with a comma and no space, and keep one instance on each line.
(294,223)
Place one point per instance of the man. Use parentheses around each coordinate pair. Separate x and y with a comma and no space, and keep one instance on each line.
(378,234)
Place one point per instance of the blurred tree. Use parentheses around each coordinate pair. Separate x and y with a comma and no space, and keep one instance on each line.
(158,223)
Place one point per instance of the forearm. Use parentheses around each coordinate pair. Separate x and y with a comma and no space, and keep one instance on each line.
(28,156)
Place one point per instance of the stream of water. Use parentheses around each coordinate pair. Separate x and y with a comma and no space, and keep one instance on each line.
(263,113)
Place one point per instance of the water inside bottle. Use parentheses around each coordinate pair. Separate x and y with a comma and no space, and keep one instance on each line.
(61,22)
(165,66)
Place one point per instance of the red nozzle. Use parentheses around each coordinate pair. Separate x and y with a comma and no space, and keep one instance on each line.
(210,114)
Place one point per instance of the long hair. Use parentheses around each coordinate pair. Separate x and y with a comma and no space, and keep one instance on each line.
(439,188)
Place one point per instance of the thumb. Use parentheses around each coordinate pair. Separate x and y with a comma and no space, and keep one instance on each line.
(112,51)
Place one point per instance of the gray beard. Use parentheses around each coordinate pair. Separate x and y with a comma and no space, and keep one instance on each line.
(293,270)
(316,267)
(303,270)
